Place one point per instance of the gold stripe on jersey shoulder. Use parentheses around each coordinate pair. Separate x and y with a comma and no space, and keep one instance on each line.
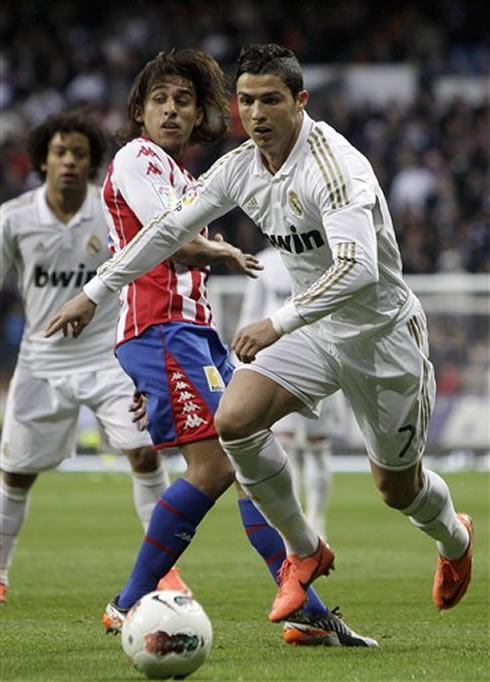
(343,188)
(223,159)
(344,262)
(329,167)
(323,156)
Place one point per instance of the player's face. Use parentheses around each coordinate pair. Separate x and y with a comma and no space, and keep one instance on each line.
(68,163)
(171,113)
(269,113)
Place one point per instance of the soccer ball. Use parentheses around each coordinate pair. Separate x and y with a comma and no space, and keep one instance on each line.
(167,635)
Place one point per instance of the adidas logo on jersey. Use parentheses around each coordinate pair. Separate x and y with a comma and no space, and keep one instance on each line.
(252,204)
(297,243)
(62,278)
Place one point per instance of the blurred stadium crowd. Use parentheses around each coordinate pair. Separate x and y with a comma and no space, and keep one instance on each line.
(431,155)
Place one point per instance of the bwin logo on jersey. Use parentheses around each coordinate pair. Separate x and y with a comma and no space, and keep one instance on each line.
(297,243)
(62,278)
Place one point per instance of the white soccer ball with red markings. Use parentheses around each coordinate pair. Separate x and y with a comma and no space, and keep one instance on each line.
(167,635)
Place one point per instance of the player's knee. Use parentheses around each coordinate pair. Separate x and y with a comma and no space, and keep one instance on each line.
(143,460)
(232,422)
(18,480)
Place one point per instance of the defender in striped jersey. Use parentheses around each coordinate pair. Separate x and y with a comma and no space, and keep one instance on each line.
(352,323)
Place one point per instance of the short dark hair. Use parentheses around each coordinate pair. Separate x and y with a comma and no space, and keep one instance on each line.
(259,59)
(209,81)
(75,121)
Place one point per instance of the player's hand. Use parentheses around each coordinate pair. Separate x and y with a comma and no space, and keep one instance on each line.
(138,406)
(76,314)
(252,338)
(235,259)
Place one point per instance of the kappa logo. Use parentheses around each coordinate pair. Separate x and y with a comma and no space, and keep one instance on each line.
(190,407)
(39,247)
(295,203)
(193,421)
(146,151)
(94,244)
(214,378)
(152,168)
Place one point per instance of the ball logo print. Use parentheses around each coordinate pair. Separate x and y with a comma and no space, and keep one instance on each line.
(167,635)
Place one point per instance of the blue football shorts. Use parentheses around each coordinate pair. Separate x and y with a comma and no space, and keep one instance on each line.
(182,368)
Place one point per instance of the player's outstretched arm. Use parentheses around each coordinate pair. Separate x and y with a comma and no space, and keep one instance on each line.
(75,314)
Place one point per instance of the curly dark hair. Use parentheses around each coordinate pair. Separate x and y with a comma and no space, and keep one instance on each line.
(211,93)
(262,58)
(77,121)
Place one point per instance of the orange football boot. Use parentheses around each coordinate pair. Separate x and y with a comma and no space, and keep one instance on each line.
(295,576)
(453,575)
(173,581)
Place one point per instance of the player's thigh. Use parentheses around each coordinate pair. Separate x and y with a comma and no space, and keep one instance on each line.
(291,375)
(108,393)
(40,421)
(183,374)
(390,384)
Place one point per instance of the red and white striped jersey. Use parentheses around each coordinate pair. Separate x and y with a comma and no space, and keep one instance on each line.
(141,181)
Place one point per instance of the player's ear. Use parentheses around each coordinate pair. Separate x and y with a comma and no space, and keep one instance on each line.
(199,117)
(303,97)
(138,115)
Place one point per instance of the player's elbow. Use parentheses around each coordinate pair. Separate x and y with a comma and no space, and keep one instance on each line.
(367,275)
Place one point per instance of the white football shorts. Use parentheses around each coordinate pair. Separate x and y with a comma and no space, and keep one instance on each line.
(41,417)
(387,379)
(331,423)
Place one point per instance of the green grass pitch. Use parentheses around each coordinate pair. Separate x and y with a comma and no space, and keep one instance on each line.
(80,540)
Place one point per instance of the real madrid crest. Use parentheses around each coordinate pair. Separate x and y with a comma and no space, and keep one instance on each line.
(295,204)
(94,244)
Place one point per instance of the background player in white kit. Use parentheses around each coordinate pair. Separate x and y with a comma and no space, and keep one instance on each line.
(352,324)
(308,442)
(55,236)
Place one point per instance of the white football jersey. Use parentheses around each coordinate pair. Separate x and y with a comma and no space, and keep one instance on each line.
(323,209)
(53,262)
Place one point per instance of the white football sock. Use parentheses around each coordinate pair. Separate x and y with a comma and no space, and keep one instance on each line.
(433,512)
(316,483)
(263,471)
(13,511)
(147,489)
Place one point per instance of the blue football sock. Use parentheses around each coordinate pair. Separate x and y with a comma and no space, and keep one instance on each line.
(269,544)
(172,526)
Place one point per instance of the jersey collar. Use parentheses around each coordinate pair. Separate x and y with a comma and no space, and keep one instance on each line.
(47,217)
(294,155)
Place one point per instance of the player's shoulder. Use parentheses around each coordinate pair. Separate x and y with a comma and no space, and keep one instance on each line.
(330,147)
(19,205)
(144,155)
(139,147)
(238,160)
